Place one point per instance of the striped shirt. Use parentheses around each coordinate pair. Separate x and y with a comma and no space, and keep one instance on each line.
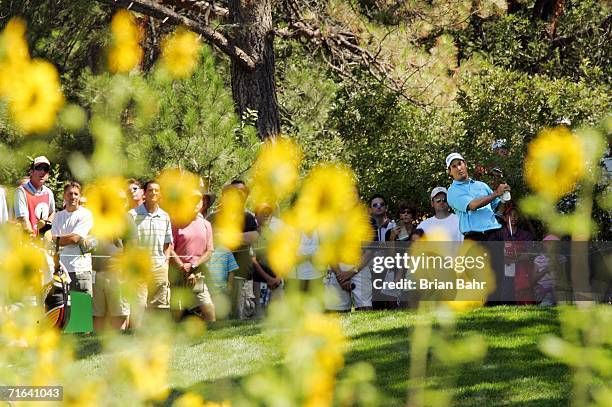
(153,231)
(221,263)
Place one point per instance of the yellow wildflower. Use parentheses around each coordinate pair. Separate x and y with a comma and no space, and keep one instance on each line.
(180,53)
(554,162)
(275,172)
(341,241)
(179,195)
(106,203)
(229,221)
(327,191)
(21,264)
(36,98)
(134,264)
(147,370)
(14,54)
(125,52)
(462,306)
(282,249)
(86,395)
(195,400)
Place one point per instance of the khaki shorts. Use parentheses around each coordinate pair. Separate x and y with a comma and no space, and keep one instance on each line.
(108,296)
(156,294)
(185,298)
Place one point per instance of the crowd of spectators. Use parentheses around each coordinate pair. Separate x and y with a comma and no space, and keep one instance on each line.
(191,273)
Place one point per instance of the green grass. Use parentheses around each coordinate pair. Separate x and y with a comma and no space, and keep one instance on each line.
(513,373)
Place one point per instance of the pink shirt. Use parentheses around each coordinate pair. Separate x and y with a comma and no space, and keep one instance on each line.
(192,241)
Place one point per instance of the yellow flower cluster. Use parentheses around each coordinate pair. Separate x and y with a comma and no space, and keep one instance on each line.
(180,53)
(31,87)
(328,206)
(275,173)
(125,53)
(195,400)
(147,370)
(106,201)
(555,162)
(21,263)
(320,339)
(180,195)
(229,221)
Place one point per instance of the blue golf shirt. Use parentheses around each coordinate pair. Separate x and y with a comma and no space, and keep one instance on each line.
(460,194)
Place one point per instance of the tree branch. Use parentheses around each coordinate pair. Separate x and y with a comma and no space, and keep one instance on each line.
(155,10)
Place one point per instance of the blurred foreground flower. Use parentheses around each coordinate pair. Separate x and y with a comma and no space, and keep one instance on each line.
(146,371)
(106,203)
(37,97)
(22,263)
(554,163)
(134,265)
(327,192)
(125,52)
(283,249)
(179,195)
(32,88)
(275,173)
(195,400)
(319,348)
(14,54)
(229,220)
(180,53)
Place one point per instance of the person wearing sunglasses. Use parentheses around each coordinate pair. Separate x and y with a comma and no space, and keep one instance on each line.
(443,220)
(136,193)
(34,202)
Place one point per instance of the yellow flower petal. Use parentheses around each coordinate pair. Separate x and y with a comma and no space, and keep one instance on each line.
(179,195)
(105,200)
(180,53)
(555,162)
(125,53)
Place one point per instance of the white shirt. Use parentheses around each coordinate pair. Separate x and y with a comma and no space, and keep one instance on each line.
(3,209)
(448,226)
(79,222)
(308,247)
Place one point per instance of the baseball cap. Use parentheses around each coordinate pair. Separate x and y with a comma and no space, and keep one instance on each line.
(437,190)
(41,160)
(451,157)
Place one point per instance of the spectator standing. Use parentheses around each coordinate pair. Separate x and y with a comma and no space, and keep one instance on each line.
(242,297)
(221,268)
(110,304)
(380,217)
(153,232)
(262,272)
(407,214)
(135,193)
(516,284)
(443,220)
(34,202)
(4,217)
(70,231)
(193,246)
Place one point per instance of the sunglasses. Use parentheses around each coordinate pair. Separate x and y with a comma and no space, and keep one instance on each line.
(134,188)
(438,200)
(44,168)
(378,205)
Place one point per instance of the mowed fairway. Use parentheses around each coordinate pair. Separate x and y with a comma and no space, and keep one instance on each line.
(513,373)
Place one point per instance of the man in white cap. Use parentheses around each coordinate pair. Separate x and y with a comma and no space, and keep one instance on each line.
(34,202)
(473,201)
(443,220)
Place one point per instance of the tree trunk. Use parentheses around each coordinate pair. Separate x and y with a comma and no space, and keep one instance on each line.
(255,90)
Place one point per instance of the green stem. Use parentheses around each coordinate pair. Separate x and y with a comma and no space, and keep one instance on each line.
(419,350)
